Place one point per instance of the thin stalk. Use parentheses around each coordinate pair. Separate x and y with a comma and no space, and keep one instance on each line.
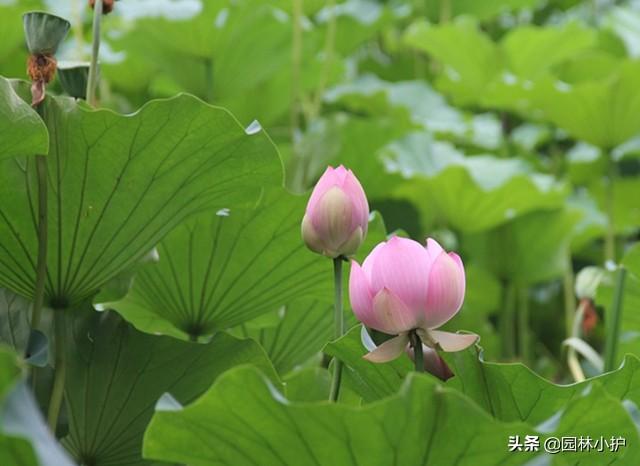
(613,321)
(296,66)
(507,320)
(418,355)
(208,79)
(92,82)
(339,326)
(298,178)
(572,355)
(524,334)
(329,53)
(569,295)
(445,11)
(78,33)
(41,264)
(57,391)
(610,236)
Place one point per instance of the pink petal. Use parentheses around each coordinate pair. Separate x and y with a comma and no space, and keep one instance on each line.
(360,213)
(360,296)
(452,342)
(402,266)
(311,237)
(331,217)
(433,249)
(446,289)
(330,178)
(369,261)
(389,350)
(391,314)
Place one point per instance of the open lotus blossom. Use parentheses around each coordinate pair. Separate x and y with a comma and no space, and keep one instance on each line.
(337,215)
(403,287)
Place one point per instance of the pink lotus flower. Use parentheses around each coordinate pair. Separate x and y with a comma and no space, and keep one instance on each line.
(337,215)
(404,287)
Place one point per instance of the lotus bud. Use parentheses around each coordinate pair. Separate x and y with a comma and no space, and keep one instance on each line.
(337,215)
(403,287)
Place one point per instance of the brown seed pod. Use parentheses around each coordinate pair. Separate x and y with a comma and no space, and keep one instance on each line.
(41,67)
(107,6)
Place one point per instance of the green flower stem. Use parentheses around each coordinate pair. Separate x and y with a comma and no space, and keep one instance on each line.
(57,392)
(92,82)
(296,67)
(339,326)
(610,235)
(329,52)
(524,336)
(418,355)
(569,295)
(445,11)
(41,264)
(76,24)
(208,78)
(614,318)
(507,320)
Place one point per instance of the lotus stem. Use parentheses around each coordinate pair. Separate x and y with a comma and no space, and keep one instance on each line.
(92,82)
(208,78)
(507,319)
(418,355)
(569,295)
(41,265)
(613,321)
(524,335)
(610,234)
(329,52)
(339,326)
(57,392)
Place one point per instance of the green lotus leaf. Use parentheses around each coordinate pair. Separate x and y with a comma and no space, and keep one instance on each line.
(116,374)
(470,194)
(22,130)
(246,421)
(538,244)
(352,141)
(473,59)
(392,430)
(626,210)
(118,184)
(420,103)
(497,74)
(227,267)
(598,112)
(205,52)
(510,392)
(485,10)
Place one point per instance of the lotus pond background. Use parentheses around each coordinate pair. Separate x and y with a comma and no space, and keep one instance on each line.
(200,329)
